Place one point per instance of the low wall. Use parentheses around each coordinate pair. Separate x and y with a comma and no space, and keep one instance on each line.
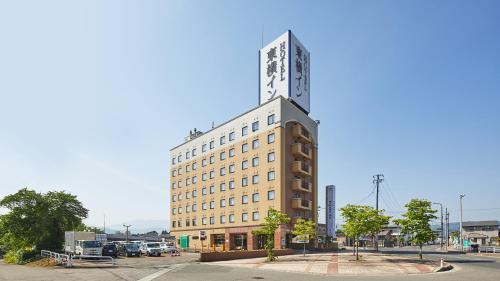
(235,255)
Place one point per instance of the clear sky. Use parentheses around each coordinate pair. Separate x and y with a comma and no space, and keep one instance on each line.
(93,94)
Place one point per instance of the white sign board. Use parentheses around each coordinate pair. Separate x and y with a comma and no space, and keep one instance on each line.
(330,210)
(284,67)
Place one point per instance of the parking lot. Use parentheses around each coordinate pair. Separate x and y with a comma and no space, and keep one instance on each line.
(131,268)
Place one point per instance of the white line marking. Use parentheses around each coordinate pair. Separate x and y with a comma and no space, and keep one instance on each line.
(161,272)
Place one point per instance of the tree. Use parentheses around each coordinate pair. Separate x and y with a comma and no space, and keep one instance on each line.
(361,221)
(273,220)
(416,222)
(305,230)
(38,221)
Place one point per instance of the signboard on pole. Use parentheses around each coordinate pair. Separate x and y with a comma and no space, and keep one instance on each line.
(284,70)
(330,210)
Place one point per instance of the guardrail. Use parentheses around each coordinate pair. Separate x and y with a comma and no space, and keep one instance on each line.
(489,249)
(62,259)
(68,261)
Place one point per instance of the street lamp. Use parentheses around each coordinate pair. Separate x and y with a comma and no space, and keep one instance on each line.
(126,231)
(442,236)
(461,218)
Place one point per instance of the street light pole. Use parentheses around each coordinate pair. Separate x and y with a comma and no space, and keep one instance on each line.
(447,216)
(461,220)
(442,236)
(126,232)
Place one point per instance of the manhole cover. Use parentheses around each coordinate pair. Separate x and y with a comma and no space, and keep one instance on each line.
(257,277)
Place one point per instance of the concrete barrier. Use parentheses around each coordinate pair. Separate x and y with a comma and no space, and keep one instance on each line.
(235,255)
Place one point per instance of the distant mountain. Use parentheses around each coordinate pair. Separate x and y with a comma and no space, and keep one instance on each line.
(140,226)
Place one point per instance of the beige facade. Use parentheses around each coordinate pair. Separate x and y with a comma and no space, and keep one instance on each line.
(224,181)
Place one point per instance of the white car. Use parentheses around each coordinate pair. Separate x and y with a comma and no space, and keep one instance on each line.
(167,247)
(151,249)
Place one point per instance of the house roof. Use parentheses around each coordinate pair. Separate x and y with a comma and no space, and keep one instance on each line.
(480,223)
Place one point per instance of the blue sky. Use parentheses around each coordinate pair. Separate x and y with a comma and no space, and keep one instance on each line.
(93,94)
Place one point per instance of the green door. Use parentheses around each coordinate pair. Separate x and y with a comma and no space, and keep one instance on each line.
(184,241)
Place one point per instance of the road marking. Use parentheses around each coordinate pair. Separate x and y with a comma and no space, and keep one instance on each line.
(161,272)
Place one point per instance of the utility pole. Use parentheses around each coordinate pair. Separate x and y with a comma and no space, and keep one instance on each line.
(460,239)
(126,232)
(104,228)
(441,234)
(377,179)
(447,216)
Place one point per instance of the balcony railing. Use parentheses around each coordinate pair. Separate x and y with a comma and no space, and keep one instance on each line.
(298,131)
(302,151)
(300,203)
(302,168)
(301,185)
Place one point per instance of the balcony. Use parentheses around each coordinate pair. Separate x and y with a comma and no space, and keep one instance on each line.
(299,203)
(301,185)
(301,168)
(299,132)
(301,151)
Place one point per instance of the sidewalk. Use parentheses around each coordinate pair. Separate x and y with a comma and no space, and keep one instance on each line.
(339,264)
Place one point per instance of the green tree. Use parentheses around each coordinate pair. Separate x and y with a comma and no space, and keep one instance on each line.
(38,221)
(273,220)
(361,221)
(416,222)
(304,230)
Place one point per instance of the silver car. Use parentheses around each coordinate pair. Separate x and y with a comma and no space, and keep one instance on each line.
(151,249)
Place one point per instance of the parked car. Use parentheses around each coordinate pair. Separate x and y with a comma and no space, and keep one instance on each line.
(167,247)
(109,249)
(129,250)
(151,249)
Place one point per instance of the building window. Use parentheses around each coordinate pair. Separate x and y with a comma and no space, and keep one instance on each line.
(204,221)
(231,168)
(270,157)
(255,126)
(179,171)
(231,152)
(179,210)
(193,152)
(194,222)
(255,144)
(204,147)
(179,223)
(194,166)
(179,184)
(244,147)
(194,208)
(195,193)
(244,131)
(223,203)
(174,198)
(174,211)
(244,199)
(222,219)
(231,184)
(270,138)
(223,155)
(204,191)
(204,162)
(255,179)
(188,195)
(244,164)
(222,140)
(270,119)
(223,171)
(212,159)
(244,217)
(232,135)
(188,208)
(255,197)
(212,174)
(188,168)
(173,224)
(231,201)
(212,220)
(173,173)
(212,204)
(271,175)
(173,161)
(204,176)
(188,181)
(255,216)
(244,181)
(270,195)
(179,159)
(173,185)
(203,206)
(231,218)
(212,189)
(223,186)
(179,197)
(194,179)
(187,155)
(255,162)
(212,144)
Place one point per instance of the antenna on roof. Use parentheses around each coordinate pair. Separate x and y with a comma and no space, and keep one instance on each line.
(213,124)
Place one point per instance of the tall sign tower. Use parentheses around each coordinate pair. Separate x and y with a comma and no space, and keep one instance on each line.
(330,210)
(284,70)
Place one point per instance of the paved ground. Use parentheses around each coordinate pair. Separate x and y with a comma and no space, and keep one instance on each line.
(340,264)
(186,268)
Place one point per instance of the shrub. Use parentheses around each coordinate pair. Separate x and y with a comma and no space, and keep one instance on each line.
(21,256)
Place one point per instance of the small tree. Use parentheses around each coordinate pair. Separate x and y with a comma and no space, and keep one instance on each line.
(416,222)
(273,220)
(360,221)
(305,230)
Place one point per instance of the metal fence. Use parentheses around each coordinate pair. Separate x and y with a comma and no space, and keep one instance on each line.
(69,261)
(61,259)
(489,249)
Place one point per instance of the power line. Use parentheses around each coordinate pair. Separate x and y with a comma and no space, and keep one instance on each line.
(370,194)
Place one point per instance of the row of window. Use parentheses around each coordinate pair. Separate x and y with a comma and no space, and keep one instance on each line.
(222,203)
(222,140)
(271,176)
(244,164)
(222,219)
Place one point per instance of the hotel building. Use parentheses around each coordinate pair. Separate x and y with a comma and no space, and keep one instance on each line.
(223,181)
